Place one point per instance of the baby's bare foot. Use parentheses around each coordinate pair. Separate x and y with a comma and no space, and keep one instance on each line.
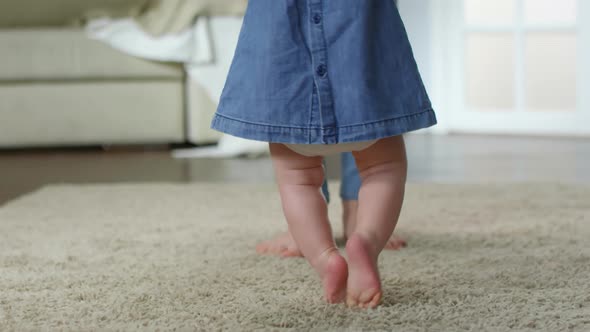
(364,285)
(282,245)
(395,243)
(333,271)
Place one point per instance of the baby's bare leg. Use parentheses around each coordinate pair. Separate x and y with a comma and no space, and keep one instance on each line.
(383,169)
(349,214)
(300,179)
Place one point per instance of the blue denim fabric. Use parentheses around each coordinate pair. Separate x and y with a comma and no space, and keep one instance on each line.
(323,72)
(350,180)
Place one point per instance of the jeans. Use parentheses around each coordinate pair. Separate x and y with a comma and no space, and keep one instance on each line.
(351,181)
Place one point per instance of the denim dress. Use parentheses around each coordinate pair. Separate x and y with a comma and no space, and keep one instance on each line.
(323,72)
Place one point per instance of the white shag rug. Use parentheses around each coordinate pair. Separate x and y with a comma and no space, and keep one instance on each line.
(181,257)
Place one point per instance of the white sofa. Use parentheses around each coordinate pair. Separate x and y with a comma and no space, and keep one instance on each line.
(59,88)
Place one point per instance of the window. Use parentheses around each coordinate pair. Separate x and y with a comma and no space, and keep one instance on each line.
(520,55)
(512,66)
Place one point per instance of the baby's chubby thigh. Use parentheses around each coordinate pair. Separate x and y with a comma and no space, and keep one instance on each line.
(292,168)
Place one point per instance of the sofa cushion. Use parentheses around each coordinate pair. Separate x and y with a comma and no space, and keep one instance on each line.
(34,13)
(81,113)
(68,54)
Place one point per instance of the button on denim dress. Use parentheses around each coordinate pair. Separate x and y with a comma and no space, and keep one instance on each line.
(323,72)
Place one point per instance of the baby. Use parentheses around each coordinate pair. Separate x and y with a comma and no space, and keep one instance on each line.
(315,77)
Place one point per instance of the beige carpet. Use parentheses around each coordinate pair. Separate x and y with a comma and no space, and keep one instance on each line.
(164,257)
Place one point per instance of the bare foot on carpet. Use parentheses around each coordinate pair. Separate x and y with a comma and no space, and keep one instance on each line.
(282,245)
(332,267)
(395,243)
(333,271)
(364,285)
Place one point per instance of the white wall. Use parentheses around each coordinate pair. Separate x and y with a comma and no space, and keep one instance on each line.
(421,24)
(418,20)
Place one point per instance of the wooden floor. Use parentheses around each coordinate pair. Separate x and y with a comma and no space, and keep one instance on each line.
(455,158)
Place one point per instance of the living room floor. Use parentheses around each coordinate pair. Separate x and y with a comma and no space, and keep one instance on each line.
(449,159)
